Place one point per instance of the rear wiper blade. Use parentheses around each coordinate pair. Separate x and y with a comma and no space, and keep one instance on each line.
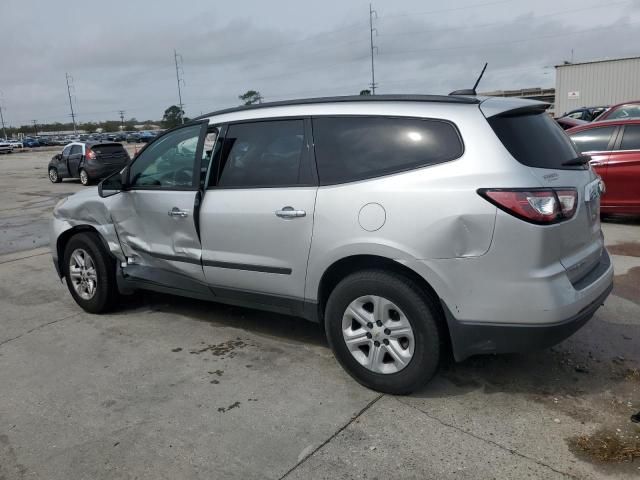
(580,160)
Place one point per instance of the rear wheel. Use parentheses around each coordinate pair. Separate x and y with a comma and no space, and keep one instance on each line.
(84,177)
(384,331)
(53,176)
(90,273)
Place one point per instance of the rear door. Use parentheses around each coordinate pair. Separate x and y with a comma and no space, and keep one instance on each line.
(156,217)
(257,214)
(74,159)
(623,171)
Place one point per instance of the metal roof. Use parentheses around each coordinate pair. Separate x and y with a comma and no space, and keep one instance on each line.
(572,64)
(350,98)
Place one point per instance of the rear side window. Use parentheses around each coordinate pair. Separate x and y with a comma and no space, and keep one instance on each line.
(593,139)
(262,154)
(631,138)
(534,139)
(354,148)
(75,149)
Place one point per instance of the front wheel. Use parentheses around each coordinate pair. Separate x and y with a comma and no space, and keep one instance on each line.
(384,331)
(90,273)
(53,176)
(84,177)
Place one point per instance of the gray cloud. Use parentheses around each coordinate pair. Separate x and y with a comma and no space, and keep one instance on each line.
(121,56)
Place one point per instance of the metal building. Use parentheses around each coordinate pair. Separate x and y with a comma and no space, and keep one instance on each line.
(592,84)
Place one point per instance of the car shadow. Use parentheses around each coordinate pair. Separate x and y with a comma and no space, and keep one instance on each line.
(283,327)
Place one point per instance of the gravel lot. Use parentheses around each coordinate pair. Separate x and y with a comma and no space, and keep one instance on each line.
(176,388)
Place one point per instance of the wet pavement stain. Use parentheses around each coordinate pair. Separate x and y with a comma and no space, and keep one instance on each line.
(629,249)
(627,285)
(230,407)
(177,349)
(224,349)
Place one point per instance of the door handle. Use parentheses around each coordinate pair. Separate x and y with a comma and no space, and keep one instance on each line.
(290,212)
(176,212)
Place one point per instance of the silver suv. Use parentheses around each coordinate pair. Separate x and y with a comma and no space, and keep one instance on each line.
(409,226)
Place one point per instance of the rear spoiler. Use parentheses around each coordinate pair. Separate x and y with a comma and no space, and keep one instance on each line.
(511,107)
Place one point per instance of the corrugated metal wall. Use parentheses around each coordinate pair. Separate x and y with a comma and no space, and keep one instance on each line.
(599,83)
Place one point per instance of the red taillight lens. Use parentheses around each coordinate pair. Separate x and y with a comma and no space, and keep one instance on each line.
(536,205)
(90,154)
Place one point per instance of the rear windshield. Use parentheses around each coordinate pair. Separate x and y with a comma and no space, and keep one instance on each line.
(535,140)
(109,149)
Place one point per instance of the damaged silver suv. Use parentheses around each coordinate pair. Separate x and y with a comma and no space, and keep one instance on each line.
(409,226)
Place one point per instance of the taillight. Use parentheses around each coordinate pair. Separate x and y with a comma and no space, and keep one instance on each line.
(535,205)
(90,154)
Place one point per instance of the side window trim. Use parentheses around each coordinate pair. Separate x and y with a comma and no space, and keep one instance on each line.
(213,172)
(616,138)
(193,187)
(307,159)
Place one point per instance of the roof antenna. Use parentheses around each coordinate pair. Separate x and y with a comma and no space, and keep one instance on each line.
(471,91)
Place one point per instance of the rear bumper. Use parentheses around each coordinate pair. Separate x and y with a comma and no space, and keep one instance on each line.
(103,171)
(470,338)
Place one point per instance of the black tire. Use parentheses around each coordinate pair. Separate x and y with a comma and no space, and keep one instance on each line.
(106,294)
(54,178)
(421,312)
(84,179)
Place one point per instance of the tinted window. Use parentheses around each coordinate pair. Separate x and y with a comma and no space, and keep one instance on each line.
(262,154)
(76,149)
(535,140)
(631,138)
(353,148)
(593,139)
(625,111)
(169,161)
(109,149)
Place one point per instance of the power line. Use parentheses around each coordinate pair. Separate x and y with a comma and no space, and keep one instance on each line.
(73,116)
(179,80)
(372,12)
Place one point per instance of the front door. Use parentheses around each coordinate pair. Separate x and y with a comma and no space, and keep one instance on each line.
(155,218)
(257,214)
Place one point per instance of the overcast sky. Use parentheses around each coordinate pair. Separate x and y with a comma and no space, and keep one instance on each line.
(120,53)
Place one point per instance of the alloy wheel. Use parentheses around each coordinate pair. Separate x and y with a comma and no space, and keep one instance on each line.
(53,175)
(83,275)
(378,334)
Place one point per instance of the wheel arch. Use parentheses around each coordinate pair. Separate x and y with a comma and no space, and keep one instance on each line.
(64,237)
(353,263)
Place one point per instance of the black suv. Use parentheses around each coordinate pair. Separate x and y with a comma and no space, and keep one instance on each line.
(88,161)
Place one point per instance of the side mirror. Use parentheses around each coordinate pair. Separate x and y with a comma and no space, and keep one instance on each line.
(114,183)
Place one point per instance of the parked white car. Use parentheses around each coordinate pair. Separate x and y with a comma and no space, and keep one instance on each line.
(5,147)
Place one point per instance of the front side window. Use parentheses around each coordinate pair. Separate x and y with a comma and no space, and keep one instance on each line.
(354,148)
(631,138)
(168,162)
(262,154)
(593,140)
(66,150)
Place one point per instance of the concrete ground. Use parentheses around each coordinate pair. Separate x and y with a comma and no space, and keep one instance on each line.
(175,388)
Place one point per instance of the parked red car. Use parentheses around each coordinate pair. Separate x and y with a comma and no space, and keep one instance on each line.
(622,111)
(614,148)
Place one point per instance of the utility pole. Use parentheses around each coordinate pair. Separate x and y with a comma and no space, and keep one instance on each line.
(4,132)
(35,127)
(372,12)
(179,80)
(73,115)
(121,112)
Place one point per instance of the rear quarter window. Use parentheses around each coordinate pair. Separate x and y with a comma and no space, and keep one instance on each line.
(354,148)
(534,139)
